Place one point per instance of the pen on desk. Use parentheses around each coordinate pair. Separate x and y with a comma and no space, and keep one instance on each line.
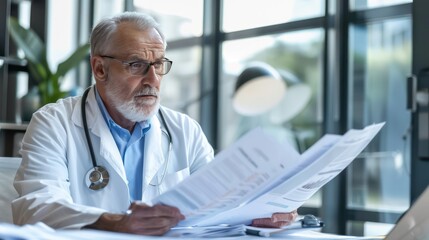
(257,233)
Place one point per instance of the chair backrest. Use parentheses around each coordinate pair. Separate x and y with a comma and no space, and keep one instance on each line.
(8,168)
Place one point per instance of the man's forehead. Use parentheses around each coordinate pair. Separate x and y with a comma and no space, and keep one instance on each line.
(133,35)
(133,41)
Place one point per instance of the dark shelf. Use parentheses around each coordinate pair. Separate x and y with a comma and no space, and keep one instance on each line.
(14,64)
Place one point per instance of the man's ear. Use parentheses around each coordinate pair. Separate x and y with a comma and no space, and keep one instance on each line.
(98,68)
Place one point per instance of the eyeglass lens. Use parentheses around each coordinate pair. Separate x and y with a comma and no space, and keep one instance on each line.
(140,67)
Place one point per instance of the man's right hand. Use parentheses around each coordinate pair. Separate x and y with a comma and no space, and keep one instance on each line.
(141,219)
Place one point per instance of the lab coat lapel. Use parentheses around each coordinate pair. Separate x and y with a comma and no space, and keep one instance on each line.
(108,149)
(97,126)
(153,154)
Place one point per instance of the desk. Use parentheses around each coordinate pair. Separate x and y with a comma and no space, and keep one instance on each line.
(302,235)
(9,140)
(41,231)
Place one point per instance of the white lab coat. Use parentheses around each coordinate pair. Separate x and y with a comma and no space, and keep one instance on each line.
(50,180)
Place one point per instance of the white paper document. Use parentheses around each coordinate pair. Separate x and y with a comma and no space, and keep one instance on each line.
(237,175)
(207,232)
(258,176)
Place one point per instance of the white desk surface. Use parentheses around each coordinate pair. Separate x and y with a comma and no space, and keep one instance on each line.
(41,231)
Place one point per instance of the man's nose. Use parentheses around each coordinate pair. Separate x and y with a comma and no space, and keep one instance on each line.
(151,77)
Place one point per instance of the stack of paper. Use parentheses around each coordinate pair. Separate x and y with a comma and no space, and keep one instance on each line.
(207,232)
(258,176)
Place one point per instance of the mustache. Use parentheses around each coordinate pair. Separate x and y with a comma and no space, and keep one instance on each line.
(147,91)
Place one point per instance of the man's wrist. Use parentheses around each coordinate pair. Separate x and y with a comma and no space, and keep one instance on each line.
(107,221)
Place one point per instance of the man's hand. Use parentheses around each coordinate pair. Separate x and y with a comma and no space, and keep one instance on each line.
(277,220)
(141,219)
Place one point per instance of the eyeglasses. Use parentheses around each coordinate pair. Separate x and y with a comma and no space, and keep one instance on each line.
(141,67)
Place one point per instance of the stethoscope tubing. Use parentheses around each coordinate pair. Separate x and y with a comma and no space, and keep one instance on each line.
(85,128)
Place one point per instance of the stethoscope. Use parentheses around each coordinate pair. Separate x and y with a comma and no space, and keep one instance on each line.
(98,177)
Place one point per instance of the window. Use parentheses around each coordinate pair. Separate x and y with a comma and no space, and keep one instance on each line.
(181,86)
(379,179)
(366,4)
(61,40)
(177,18)
(106,8)
(244,14)
(296,52)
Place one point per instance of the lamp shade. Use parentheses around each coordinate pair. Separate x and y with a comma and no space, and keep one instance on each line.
(258,89)
(261,88)
(296,98)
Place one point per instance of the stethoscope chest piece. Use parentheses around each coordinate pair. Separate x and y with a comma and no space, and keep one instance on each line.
(97,178)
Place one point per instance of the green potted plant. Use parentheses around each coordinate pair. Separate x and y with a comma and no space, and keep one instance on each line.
(48,82)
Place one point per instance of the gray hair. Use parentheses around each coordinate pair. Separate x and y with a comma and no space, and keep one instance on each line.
(103,31)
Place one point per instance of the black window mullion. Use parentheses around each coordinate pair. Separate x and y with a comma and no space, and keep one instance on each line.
(317,22)
(334,199)
(378,14)
(372,216)
(419,140)
(210,67)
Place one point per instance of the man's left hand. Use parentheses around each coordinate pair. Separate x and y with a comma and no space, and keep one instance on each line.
(277,220)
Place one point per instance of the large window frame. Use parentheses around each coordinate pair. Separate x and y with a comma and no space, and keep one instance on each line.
(337,119)
(336,22)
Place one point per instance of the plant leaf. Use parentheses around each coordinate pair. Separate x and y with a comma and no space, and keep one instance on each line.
(73,60)
(33,47)
(34,72)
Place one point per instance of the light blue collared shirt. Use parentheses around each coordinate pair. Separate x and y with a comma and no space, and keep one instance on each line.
(131,148)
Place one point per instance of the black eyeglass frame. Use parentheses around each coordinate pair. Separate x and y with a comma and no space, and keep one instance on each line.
(130,64)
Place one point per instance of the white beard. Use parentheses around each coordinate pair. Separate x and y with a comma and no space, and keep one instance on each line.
(135,111)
